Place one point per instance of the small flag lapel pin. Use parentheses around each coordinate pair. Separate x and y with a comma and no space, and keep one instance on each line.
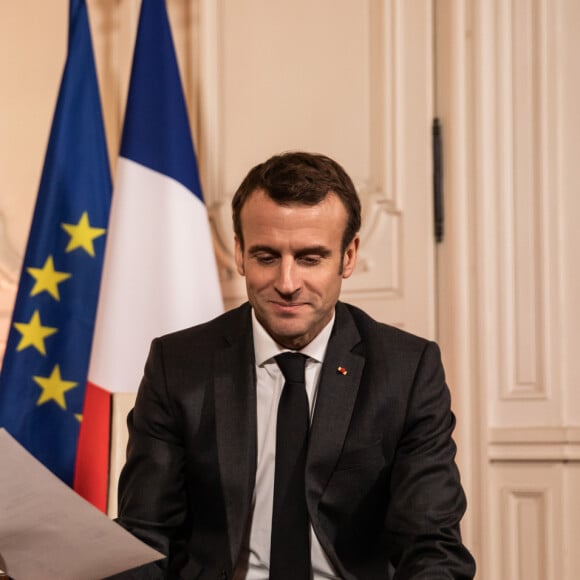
(342,370)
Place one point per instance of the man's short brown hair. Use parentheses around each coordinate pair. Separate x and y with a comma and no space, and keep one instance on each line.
(303,179)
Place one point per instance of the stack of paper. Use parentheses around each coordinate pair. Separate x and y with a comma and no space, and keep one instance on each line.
(47,531)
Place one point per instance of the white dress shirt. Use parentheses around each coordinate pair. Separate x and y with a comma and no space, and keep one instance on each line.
(254,561)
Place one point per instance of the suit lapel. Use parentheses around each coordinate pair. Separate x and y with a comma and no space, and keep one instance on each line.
(235,408)
(335,401)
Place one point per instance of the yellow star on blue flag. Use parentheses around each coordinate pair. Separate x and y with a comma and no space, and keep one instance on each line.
(54,388)
(82,235)
(47,279)
(33,333)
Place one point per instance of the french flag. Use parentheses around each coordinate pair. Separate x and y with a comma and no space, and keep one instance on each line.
(160,272)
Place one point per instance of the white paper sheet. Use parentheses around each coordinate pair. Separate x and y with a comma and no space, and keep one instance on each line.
(47,531)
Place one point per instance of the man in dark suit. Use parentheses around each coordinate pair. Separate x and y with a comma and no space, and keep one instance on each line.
(375,491)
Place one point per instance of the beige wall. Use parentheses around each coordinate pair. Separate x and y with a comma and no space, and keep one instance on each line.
(500,294)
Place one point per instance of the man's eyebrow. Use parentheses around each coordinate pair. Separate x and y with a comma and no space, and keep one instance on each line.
(310,250)
(261,248)
(314,250)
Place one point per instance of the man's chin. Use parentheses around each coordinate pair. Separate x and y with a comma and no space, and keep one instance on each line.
(288,336)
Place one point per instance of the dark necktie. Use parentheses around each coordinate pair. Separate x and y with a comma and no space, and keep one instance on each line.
(290,547)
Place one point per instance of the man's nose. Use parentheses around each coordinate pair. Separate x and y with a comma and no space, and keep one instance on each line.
(288,279)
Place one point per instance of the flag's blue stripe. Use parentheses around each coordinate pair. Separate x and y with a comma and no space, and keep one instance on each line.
(156,130)
(75,179)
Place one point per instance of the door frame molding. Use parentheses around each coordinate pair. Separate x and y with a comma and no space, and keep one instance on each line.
(459,27)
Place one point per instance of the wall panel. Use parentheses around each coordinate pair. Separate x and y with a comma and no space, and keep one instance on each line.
(526,204)
(507,78)
(527,501)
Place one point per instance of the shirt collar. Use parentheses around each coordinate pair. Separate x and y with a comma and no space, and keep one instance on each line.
(266,348)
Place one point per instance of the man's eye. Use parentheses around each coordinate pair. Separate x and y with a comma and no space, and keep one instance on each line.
(309,260)
(265,259)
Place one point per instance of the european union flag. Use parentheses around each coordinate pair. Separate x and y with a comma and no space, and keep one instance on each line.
(43,377)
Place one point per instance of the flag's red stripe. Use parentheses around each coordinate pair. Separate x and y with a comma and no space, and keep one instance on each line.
(91,479)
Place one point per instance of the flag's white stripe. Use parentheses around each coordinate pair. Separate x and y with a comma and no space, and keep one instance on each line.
(159,275)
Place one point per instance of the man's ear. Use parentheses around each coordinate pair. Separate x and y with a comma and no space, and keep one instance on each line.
(239,255)
(349,258)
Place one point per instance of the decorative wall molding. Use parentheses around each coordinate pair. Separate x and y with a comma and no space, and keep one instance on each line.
(526,513)
(535,444)
(525,150)
(532,507)
(519,198)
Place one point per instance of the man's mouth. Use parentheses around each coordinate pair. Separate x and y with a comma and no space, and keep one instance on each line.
(287,307)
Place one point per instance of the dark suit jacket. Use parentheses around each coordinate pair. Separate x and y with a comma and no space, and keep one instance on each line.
(381,482)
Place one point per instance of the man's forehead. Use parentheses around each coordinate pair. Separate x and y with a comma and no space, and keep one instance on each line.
(260,196)
(265,221)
